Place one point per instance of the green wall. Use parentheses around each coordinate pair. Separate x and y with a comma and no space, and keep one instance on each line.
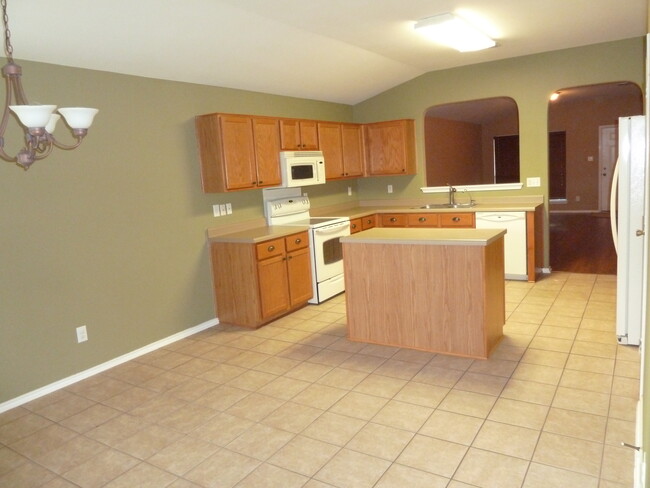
(112,234)
(529,80)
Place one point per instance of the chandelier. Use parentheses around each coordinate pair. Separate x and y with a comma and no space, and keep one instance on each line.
(38,121)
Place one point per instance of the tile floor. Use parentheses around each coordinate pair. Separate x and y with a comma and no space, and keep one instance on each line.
(294,404)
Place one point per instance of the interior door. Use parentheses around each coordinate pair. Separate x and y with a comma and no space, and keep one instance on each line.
(557,165)
(607,152)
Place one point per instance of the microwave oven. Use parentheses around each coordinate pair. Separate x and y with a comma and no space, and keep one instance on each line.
(302,168)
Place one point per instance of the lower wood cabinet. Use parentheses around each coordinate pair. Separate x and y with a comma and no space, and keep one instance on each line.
(428,219)
(256,283)
(368,222)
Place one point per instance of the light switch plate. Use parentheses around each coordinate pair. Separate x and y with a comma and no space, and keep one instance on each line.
(533,182)
(228,208)
(215,211)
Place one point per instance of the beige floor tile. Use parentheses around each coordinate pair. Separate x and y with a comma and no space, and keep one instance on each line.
(491,470)
(398,476)
(538,373)
(569,453)
(481,383)
(27,474)
(468,403)
(260,441)
(394,368)
(144,476)
(628,369)
(620,431)
(581,401)
(422,394)
(510,440)
(255,407)
(432,455)
(515,412)
(381,386)
(251,380)
(595,349)
(496,367)
(628,353)
(284,388)
(618,465)
(222,397)
(147,442)
(623,408)
(270,476)
(334,429)
(380,441)
(70,454)
(319,396)
(292,417)
(10,459)
(556,332)
(363,362)
(329,357)
(222,429)
(227,467)
(452,427)
(576,424)
(304,455)
(583,380)
(351,469)
(545,358)
(551,344)
(101,469)
(599,336)
(438,376)
(529,391)
(342,378)
(222,373)
(598,324)
(359,405)
(276,365)
(451,362)
(402,415)
(540,476)
(379,350)
(308,371)
(508,353)
(590,364)
(413,356)
(40,442)
(555,318)
(182,455)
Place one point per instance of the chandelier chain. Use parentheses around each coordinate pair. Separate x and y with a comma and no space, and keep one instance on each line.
(9,49)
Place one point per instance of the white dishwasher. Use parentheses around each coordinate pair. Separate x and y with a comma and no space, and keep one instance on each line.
(514,242)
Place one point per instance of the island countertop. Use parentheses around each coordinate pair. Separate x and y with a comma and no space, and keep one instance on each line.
(428,236)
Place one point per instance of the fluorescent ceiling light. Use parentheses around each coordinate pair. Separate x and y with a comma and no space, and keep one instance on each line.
(454,32)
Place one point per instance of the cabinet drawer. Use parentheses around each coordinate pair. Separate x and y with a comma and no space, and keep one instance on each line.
(457,219)
(368,222)
(271,248)
(355,226)
(297,241)
(394,220)
(423,220)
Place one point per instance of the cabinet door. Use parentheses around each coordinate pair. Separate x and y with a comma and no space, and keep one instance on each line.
(289,134)
(368,222)
(329,141)
(236,132)
(266,135)
(355,226)
(352,144)
(274,285)
(390,148)
(299,272)
(308,135)
(457,219)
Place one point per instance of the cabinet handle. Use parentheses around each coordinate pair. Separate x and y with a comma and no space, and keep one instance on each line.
(393,219)
(270,248)
(260,182)
(354,226)
(369,221)
(288,258)
(456,219)
(298,241)
(422,219)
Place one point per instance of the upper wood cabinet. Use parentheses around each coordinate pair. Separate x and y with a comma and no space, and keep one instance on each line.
(390,148)
(237,152)
(298,135)
(342,147)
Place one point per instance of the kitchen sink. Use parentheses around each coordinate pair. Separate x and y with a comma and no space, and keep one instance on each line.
(448,205)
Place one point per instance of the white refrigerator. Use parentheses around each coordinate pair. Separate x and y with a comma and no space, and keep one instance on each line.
(627,209)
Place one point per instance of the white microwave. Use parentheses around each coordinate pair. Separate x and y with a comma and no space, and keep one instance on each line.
(302,168)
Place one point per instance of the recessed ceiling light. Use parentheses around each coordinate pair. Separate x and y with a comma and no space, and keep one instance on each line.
(452,31)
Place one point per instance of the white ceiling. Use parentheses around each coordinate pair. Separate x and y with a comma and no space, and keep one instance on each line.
(334,50)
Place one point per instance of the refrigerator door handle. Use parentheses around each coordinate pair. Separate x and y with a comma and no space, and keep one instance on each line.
(612,205)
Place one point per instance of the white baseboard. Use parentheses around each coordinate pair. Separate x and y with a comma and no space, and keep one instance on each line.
(57,385)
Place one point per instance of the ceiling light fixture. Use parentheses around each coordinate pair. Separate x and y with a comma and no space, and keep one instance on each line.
(452,31)
(38,120)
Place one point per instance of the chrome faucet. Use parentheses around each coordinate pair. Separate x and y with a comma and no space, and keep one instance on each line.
(452,199)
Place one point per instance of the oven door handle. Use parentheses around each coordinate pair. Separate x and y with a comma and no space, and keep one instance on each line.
(332,229)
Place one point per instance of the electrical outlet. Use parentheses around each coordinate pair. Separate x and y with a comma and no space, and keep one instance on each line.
(215,211)
(228,208)
(82,334)
(389,188)
(222,208)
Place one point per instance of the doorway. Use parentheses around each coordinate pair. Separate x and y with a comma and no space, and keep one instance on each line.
(582,126)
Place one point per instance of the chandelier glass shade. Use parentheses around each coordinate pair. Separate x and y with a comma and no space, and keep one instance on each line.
(38,121)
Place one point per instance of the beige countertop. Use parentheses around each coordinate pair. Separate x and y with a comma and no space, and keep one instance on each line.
(257,234)
(434,237)
(357,212)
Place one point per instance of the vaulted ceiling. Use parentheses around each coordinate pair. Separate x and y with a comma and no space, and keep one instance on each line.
(333,50)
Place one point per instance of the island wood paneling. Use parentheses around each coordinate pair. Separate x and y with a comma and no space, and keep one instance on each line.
(440,298)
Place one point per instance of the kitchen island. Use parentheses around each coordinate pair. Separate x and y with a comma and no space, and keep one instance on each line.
(438,290)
